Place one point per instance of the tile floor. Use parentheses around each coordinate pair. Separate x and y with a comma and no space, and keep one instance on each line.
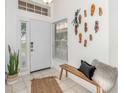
(23,85)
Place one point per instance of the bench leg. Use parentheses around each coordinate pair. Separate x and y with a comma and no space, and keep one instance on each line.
(98,89)
(66,73)
(101,90)
(61,74)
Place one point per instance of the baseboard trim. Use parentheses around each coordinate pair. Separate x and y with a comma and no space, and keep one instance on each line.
(40,69)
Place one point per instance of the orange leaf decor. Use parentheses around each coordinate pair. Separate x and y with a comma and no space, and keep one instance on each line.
(80,37)
(85,13)
(100,11)
(85,43)
(92,9)
(90,37)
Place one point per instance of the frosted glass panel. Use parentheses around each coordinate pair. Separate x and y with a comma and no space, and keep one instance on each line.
(61,53)
(23,27)
(23,45)
(61,36)
(61,49)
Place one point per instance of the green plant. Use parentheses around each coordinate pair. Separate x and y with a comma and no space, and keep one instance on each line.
(13,62)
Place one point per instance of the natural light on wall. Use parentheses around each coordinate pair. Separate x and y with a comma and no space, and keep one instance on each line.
(47,1)
(42,1)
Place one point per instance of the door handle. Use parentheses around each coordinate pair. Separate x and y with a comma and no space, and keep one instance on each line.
(31,46)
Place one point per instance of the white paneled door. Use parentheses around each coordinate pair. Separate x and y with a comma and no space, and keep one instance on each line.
(40,45)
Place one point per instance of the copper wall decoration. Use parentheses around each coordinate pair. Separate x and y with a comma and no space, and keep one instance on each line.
(100,11)
(80,37)
(90,37)
(92,9)
(85,13)
(85,27)
(85,43)
(79,18)
(76,29)
(96,28)
(77,21)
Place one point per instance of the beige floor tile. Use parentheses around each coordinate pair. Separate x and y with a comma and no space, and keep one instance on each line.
(28,84)
(21,91)
(31,76)
(64,78)
(79,89)
(70,91)
(8,89)
(36,75)
(55,74)
(18,87)
(27,77)
(69,82)
(66,84)
(29,89)
(59,81)
(63,86)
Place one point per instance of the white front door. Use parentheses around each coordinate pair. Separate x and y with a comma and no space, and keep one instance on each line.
(40,45)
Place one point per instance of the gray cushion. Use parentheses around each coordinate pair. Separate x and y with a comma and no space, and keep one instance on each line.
(104,75)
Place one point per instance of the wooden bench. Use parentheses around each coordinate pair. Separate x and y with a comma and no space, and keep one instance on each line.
(74,71)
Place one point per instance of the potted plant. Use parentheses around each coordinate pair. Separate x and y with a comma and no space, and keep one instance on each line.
(12,74)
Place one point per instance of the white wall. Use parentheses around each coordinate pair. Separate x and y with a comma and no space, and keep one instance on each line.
(13,16)
(113,37)
(10,26)
(99,48)
(113,31)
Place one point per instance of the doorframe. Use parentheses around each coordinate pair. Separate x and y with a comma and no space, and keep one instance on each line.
(23,19)
(28,19)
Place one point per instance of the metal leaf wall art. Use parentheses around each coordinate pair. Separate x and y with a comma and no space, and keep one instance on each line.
(80,37)
(79,18)
(85,13)
(90,37)
(100,11)
(96,28)
(77,22)
(93,9)
(85,27)
(85,43)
